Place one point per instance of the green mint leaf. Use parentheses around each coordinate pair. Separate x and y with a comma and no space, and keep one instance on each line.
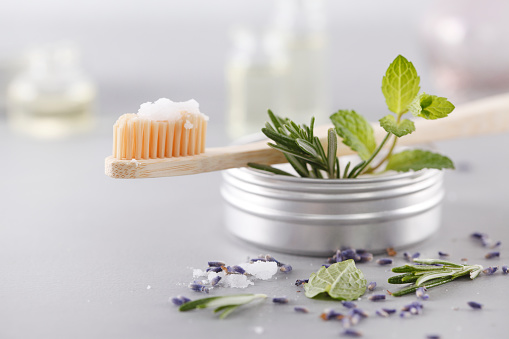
(434,107)
(400,85)
(416,160)
(400,129)
(342,280)
(356,132)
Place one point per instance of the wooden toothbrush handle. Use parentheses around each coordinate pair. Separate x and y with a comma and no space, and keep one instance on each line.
(486,116)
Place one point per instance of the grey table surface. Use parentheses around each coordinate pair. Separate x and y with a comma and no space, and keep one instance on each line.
(86,256)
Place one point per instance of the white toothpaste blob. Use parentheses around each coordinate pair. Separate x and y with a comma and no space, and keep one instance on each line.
(165,109)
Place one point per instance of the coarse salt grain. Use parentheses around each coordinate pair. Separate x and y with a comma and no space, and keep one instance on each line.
(236,281)
(260,269)
(199,273)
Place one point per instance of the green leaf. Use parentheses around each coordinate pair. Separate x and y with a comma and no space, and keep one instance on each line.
(400,85)
(332,148)
(307,147)
(434,107)
(356,132)
(342,280)
(226,304)
(400,129)
(415,160)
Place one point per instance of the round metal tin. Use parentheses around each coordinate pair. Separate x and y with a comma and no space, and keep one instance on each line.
(317,216)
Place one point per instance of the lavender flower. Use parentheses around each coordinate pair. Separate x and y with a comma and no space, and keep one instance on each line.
(442,254)
(495,245)
(421,293)
(384,261)
(285,268)
(198,287)
(351,333)
(389,310)
(215,280)
(372,286)
(216,263)
(300,282)
(348,304)
(492,255)
(474,305)
(490,270)
(280,300)
(238,269)
(505,269)
(329,314)
(365,257)
(376,297)
(300,309)
(215,269)
(382,313)
(180,300)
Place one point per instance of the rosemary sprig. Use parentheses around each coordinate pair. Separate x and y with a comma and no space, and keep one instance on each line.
(430,273)
(302,149)
(224,304)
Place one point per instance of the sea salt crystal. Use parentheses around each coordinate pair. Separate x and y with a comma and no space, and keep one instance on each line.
(236,281)
(199,273)
(263,270)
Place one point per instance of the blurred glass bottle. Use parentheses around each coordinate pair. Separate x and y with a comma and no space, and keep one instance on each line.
(255,74)
(467,43)
(302,27)
(51,97)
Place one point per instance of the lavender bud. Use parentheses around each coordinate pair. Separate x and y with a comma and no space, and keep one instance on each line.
(389,310)
(365,257)
(407,256)
(384,261)
(490,270)
(361,251)
(256,260)
(348,254)
(474,305)
(442,254)
(348,304)
(382,313)
(478,235)
(355,318)
(505,270)
(351,333)
(177,301)
(285,268)
(495,245)
(492,255)
(238,269)
(432,336)
(300,309)
(215,280)
(329,314)
(268,257)
(420,293)
(280,300)
(372,286)
(216,263)
(215,269)
(376,297)
(195,286)
(326,265)
(359,311)
(405,314)
(300,282)
(416,255)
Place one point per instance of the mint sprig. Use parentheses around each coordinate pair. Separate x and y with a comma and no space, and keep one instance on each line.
(400,87)
(342,281)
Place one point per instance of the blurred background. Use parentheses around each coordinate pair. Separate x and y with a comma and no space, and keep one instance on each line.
(71,68)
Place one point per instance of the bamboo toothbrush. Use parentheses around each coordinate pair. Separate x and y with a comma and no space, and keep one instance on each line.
(175,146)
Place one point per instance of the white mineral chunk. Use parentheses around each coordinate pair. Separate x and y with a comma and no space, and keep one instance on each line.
(236,281)
(261,269)
(199,273)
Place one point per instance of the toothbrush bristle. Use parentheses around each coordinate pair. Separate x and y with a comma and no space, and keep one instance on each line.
(139,138)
